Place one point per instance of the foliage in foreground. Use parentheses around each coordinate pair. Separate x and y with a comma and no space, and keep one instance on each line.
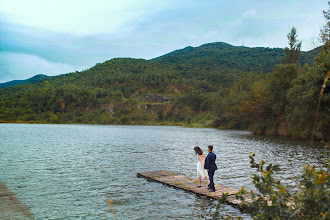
(310,201)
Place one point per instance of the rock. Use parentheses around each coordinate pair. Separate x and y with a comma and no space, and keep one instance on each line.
(153,98)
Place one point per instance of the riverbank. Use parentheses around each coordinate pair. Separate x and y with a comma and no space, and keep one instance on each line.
(194,125)
(270,133)
(11,207)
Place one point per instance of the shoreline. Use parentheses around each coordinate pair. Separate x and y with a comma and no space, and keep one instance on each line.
(162,124)
(11,207)
(132,123)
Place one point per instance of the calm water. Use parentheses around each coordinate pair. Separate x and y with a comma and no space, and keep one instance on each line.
(69,171)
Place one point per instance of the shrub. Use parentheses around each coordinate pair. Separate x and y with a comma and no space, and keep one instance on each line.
(310,201)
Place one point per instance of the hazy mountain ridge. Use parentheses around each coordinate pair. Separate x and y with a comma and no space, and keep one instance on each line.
(219,56)
(33,79)
(224,57)
(214,85)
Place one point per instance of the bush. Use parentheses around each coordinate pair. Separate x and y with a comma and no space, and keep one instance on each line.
(311,201)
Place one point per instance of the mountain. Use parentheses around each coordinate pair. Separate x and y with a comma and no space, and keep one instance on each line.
(182,86)
(33,79)
(216,62)
(228,58)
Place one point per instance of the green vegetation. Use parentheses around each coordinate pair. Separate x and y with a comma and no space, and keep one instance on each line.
(177,183)
(227,59)
(275,201)
(293,52)
(33,79)
(136,91)
(283,102)
(310,200)
(214,85)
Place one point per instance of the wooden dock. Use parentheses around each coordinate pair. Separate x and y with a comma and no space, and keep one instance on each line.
(11,207)
(189,184)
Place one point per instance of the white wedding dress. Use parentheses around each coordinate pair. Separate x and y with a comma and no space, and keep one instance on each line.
(201,172)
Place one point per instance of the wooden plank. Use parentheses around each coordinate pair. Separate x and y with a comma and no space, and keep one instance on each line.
(189,184)
(11,207)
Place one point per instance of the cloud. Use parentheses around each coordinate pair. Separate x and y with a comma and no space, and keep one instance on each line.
(80,17)
(16,66)
(73,35)
(249,13)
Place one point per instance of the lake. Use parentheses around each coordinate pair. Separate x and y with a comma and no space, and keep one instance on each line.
(69,171)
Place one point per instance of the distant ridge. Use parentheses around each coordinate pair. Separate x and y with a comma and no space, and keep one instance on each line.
(220,56)
(213,85)
(31,80)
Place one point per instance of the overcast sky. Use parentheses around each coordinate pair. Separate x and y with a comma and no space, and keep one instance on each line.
(53,37)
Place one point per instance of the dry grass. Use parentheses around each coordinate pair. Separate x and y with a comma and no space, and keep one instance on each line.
(177,183)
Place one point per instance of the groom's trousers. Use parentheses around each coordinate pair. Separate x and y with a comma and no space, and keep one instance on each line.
(211,174)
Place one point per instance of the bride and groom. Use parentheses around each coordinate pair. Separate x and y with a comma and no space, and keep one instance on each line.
(206,167)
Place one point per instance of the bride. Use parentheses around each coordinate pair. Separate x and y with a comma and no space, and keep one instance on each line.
(201,172)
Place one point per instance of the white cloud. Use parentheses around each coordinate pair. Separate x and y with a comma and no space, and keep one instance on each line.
(80,17)
(16,66)
(249,13)
(58,36)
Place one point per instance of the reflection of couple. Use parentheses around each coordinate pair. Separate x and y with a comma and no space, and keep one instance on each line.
(206,166)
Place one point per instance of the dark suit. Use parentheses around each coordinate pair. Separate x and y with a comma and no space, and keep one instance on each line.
(211,167)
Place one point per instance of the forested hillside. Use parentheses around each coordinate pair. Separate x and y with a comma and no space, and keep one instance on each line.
(33,79)
(216,85)
(223,57)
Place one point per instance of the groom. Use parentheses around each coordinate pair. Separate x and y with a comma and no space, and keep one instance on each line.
(210,166)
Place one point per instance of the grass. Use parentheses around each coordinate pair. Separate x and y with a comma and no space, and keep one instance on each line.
(177,183)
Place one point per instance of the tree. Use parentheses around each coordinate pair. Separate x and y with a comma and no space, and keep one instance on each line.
(292,53)
(255,108)
(325,31)
(311,201)
(280,81)
(303,98)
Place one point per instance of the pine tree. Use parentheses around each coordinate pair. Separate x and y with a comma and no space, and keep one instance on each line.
(293,51)
(325,31)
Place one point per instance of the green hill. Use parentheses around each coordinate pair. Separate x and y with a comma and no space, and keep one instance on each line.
(33,79)
(196,86)
(218,63)
(224,57)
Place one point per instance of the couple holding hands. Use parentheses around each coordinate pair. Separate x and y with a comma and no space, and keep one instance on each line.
(206,166)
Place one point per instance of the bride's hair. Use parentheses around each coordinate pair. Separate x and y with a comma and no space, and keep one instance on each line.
(198,150)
